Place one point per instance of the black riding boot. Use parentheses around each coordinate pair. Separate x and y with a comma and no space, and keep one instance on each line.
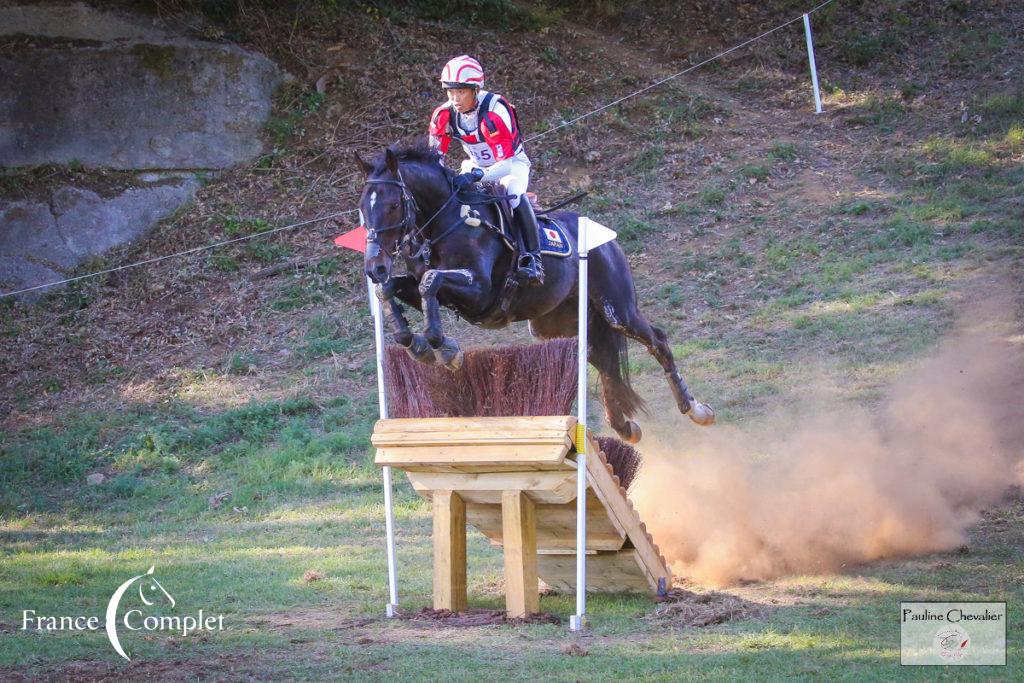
(530,266)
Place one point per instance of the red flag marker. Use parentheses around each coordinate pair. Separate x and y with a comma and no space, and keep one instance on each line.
(353,239)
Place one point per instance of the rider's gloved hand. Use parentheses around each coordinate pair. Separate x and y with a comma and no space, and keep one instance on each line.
(466,179)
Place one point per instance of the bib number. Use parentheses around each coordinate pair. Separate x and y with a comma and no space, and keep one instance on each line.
(481,154)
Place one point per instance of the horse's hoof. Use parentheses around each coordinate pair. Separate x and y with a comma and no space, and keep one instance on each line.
(449,354)
(419,350)
(702,414)
(631,433)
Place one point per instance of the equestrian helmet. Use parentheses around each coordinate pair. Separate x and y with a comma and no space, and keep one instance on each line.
(462,72)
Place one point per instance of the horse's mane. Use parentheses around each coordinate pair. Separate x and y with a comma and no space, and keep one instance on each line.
(414,150)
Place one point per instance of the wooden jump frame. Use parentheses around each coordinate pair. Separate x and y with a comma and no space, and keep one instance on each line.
(519,510)
(514,479)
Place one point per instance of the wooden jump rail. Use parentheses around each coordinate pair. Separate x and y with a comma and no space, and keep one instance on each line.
(514,479)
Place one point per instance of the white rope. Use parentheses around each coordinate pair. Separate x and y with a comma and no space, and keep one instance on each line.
(180,253)
(677,75)
(564,124)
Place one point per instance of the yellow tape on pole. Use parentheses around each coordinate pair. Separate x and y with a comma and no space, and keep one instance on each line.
(581,438)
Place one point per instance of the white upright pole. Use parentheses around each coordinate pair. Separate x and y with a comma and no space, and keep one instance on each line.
(814,68)
(578,621)
(382,402)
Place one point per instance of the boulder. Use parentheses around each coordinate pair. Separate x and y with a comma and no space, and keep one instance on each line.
(106,88)
(41,242)
(90,224)
(28,231)
(120,92)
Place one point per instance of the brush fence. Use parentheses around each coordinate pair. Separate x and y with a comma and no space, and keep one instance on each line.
(514,479)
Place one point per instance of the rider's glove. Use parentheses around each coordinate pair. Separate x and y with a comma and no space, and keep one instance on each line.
(466,179)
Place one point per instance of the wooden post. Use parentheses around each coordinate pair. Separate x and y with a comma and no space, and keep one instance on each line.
(519,535)
(449,552)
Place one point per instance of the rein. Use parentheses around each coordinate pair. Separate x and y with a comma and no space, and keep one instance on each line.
(409,210)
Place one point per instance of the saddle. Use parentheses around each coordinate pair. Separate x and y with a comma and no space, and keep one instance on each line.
(553,240)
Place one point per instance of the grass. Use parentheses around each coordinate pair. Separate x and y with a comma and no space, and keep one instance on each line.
(712,196)
(782,151)
(117,442)
(648,159)
(243,363)
(249,566)
(755,171)
(877,111)
(235,226)
(631,230)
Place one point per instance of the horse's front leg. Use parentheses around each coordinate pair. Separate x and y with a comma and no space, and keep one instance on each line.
(447,350)
(404,288)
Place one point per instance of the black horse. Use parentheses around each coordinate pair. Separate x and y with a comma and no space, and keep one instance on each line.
(409,207)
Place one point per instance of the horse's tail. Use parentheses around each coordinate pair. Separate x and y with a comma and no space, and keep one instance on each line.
(605,341)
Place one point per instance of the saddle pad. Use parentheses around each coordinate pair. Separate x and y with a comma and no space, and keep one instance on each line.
(552,238)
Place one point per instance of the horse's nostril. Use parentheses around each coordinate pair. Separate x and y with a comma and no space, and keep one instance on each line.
(377,273)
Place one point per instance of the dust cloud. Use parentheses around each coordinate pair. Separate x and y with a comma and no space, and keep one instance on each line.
(831,483)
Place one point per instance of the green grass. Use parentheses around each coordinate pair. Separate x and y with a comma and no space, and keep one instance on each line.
(877,111)
(782,151)
(648,159)
(243,363)
(249,566)
(857,207)
(235,226)
(631,230)
(287,442)
(756,171)
(713,196)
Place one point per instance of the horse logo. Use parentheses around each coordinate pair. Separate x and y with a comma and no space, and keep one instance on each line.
(147,584)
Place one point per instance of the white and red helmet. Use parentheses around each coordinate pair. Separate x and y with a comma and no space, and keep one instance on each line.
(462,72)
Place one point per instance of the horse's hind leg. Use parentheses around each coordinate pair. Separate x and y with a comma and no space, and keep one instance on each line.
(618,397)
(620,401)
(655,340)
(616,299)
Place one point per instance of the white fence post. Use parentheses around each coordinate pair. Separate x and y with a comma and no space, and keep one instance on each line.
(814,68)
(577,622)
(382,402)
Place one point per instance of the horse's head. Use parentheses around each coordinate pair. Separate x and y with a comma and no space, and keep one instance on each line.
(149,586)
(388,211)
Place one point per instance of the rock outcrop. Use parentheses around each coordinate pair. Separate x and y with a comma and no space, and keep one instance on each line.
(105,90)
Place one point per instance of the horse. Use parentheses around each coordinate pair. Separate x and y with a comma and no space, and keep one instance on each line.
(408,207)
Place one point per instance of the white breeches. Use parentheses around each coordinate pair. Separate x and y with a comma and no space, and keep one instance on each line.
(513,174)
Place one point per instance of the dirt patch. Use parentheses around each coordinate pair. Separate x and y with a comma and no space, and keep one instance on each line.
(220,668)
(475,617)
(696,610)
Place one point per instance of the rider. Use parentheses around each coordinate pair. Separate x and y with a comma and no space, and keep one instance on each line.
(485,123)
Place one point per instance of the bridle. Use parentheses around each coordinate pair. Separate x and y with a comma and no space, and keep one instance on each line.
(409,211)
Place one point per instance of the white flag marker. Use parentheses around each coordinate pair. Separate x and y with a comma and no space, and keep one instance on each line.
(597,234)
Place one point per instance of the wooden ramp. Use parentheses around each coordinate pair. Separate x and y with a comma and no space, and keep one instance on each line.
(514,479)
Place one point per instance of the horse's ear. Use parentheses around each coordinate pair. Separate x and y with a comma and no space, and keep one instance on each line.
(392,161)
(365,166)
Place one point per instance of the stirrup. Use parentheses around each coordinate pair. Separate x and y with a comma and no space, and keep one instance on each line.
(530,269)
